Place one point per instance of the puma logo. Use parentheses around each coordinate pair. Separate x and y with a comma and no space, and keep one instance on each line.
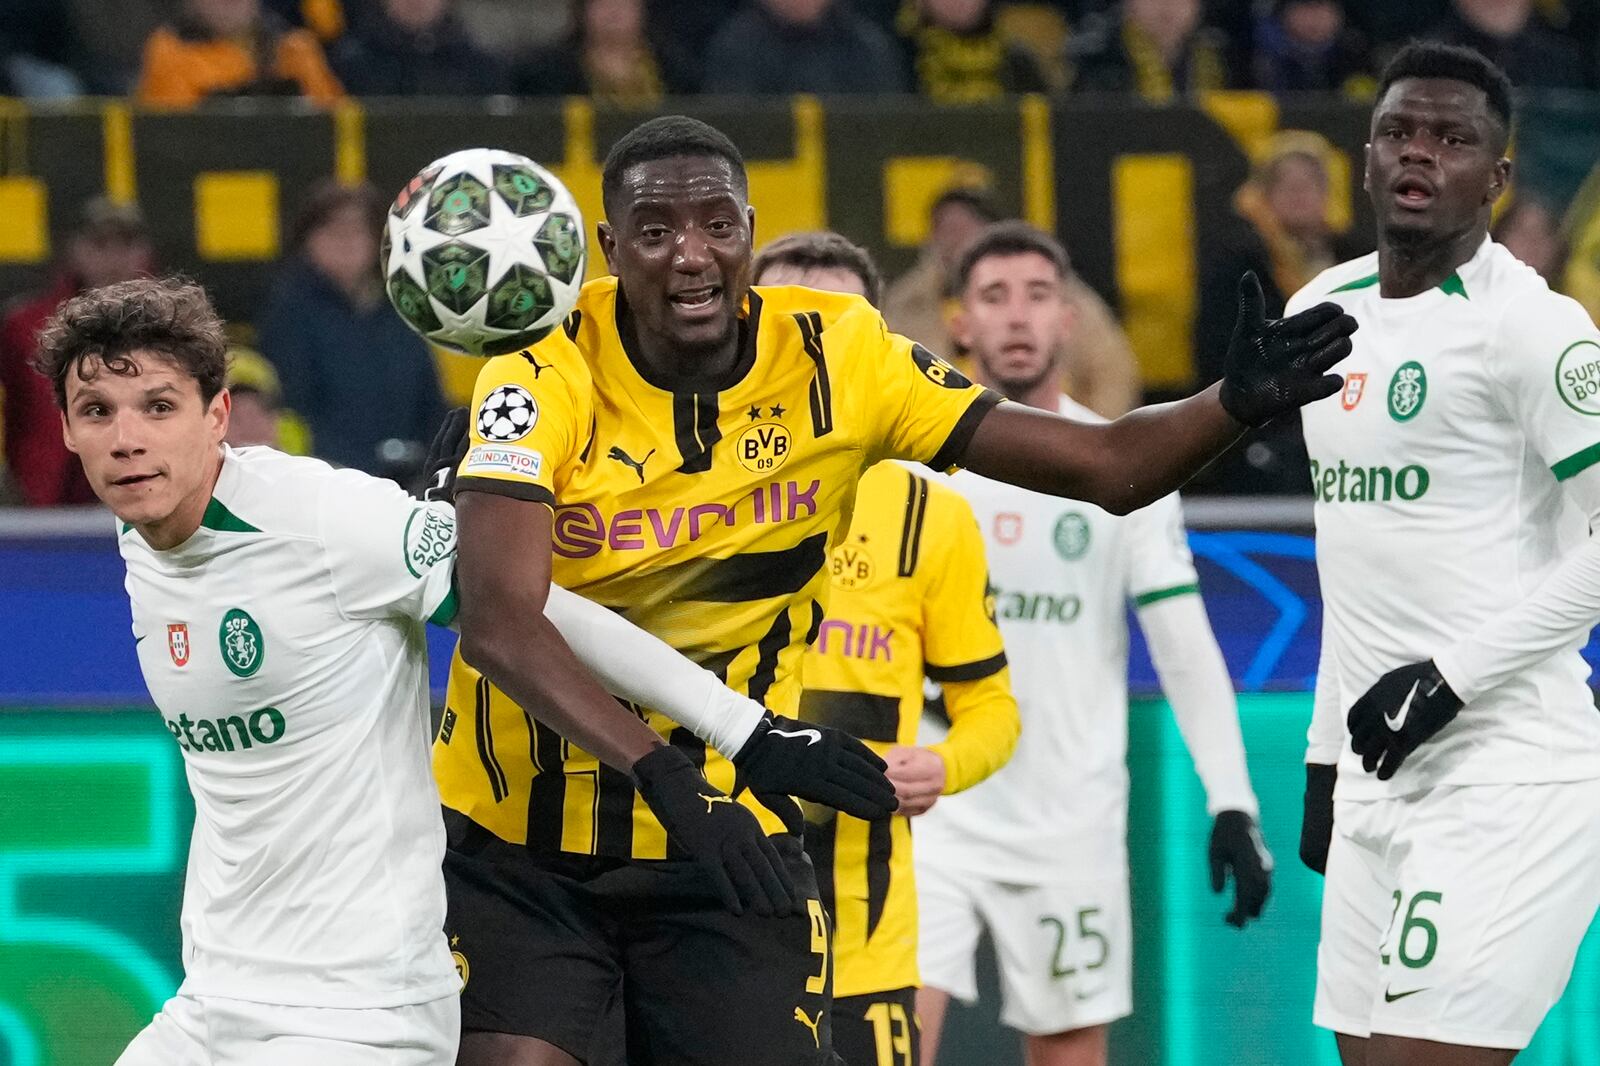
(715,799)
(813,1025)
(537,366)
(627,460)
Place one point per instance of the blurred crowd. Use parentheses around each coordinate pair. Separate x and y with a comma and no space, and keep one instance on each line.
(307,368)
(179,53)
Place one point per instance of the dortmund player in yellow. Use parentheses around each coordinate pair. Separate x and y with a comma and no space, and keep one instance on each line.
(909,597)
(687,450)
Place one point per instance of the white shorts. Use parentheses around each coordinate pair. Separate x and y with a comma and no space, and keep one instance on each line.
(1454,915)
(1065,950)
(206,1031)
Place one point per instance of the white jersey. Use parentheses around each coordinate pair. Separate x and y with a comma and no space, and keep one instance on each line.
(1439,506)
(1063,573)
(283,645)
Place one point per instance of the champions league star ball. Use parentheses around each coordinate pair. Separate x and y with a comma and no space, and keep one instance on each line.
(483,252)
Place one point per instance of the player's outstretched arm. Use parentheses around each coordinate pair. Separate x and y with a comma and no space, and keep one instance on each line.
(1273,367)
(503,572)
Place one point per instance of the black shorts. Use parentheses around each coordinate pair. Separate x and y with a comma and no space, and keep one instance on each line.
(605,957)
(878,1029)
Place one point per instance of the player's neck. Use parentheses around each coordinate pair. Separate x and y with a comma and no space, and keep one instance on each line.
(167,533)
(1406,268)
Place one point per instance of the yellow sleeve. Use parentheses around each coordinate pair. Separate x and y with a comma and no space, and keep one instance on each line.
(530,418)
(984,726)
(921,408)
(962,647)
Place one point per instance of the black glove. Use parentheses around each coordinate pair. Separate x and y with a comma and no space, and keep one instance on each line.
(718,833)
(1401,710)
(1274,367)
(1316,823)
(449,447)
(815,763)
(1236,844)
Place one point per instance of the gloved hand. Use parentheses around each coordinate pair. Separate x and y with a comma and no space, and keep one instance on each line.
(1401,710)
(1274,367)
(1236,845)
(718,833)
(815,763)
(449,447)
(1316,823)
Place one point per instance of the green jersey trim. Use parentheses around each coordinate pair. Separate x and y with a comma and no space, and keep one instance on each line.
(1360,283)
(1451,286)
(223,520)
(1145,599)
(445,613)
(216,517)
(1576,463)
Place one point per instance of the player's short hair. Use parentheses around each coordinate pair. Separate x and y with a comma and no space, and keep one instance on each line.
(1433,59)
(667,137)
(171,315)
(822,250)
(1010,238)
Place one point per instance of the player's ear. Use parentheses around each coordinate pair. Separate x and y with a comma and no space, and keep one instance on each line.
(66,433)
(217,413)
(1366,167)
(750,220)
(608,244)
(961,327)
(1502,178)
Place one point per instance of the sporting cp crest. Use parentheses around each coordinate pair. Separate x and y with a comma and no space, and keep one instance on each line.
(1354,386)
(1407,389)
(242,646)
(178,643)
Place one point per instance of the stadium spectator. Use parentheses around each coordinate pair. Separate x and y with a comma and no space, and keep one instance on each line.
(256,417)
(1508,33)
(220,48)
(1531,230)
(1154,49)
(414,48)
(1305,46)
(109,244)
(1280,230)
(958,54)
(36,51)
(109,38)
(364,383)
(802,46)
(610,56)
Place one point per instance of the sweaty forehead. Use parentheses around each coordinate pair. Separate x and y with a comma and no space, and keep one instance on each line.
(680,178)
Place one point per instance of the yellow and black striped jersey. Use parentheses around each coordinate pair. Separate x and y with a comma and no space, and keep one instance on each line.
(702,510)
(910,598)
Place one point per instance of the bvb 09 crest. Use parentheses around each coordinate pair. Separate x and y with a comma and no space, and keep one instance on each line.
(242,646)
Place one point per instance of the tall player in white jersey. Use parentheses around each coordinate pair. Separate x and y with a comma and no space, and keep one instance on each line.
(1038,853)
(278,609)
(1456,498)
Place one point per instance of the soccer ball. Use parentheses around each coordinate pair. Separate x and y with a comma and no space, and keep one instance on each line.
(507,414)
(483,252)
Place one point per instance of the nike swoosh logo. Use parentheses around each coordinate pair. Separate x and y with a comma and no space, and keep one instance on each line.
(812,733)
(1390,997)
(137,639)
(1397,721)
